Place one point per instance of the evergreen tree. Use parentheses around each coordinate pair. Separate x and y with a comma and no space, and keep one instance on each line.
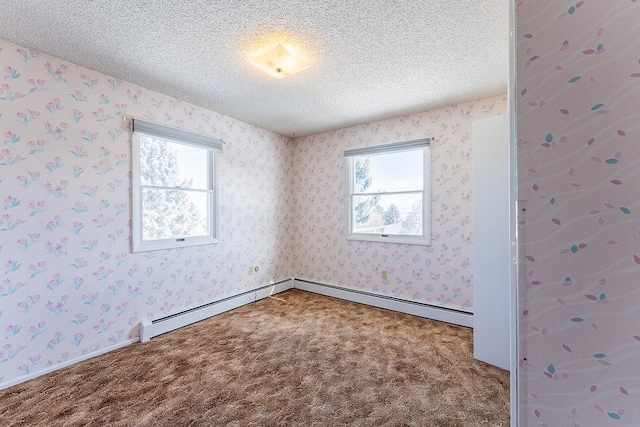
(366,204)
(392,215)
(166,213)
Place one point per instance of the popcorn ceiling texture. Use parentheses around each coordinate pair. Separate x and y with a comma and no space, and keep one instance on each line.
(371,59)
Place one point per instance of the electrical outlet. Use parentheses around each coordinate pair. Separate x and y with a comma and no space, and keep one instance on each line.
(385,275)
(251,269)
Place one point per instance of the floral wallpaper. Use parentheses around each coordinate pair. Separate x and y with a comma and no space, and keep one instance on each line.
(70,287)
(69,284)
(578,100)
(440,274)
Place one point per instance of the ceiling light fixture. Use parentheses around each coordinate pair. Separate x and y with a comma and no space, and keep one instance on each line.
(279,62)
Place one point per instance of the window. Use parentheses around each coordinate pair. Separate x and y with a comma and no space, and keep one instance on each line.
(174,187)
(389,193)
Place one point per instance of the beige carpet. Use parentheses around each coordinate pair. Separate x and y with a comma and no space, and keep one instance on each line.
(309,360)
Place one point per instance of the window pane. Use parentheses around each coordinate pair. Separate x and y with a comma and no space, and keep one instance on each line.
(396,214)
(167,164)
(174,213)
(401,171)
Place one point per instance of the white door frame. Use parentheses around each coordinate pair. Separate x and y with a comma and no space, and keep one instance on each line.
(513,214)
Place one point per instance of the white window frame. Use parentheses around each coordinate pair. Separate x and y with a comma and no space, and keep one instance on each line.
(213,146)
(414,145)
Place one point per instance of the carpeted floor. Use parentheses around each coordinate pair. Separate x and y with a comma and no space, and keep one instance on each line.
(309,360)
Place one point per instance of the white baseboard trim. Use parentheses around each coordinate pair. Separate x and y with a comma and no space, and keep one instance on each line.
(151,328)
(390,303)
(67,363)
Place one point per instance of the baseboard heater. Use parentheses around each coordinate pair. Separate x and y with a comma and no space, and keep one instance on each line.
(442,314)
(152,328)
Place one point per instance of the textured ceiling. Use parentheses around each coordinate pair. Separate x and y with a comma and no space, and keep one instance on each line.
(371,59)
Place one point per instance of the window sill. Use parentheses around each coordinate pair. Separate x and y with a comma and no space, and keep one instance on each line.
(417,240)
(165,244)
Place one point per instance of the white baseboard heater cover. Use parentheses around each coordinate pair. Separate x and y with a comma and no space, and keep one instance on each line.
(152,328)
(390,303)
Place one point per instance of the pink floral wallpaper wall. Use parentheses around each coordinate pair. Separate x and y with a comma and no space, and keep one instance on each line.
(69,285)
(578,100)
(440,274)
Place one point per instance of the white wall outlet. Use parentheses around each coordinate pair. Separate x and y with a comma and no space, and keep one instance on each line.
(251,269)
(384,274)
